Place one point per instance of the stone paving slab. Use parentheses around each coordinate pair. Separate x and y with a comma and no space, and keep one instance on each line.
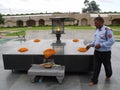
(75,81)
(69,34)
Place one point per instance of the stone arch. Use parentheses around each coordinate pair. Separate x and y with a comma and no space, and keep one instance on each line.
(41,22)
(30,22)
(9,23)
(19,23)
(84,22)
(76,22)
(116,21)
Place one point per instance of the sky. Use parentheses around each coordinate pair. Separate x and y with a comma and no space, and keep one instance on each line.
(49,6)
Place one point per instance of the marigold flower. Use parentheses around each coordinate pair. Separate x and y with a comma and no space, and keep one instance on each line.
(75,40)
(49,52)
(82,49)
(24,49)
(36,40)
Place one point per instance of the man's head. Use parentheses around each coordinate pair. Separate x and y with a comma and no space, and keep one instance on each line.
(99,21)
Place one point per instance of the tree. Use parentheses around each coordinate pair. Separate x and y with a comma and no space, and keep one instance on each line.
(1,19)
(91,7)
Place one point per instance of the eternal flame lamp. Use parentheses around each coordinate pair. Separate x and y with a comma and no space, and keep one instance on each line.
(58,27)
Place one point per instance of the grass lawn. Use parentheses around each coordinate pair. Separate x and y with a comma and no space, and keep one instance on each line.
(11,31)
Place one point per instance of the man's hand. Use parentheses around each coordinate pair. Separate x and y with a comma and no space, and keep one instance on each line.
(97,46)
(88,46)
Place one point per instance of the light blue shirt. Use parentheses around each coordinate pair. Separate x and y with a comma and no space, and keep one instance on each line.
(104,37)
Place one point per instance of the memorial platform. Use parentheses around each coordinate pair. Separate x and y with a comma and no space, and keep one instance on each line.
(67,55)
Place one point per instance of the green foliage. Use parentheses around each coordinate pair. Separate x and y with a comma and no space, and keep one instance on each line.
(79,28)
(116,32)
(11,31)
(91,7)
(1,19)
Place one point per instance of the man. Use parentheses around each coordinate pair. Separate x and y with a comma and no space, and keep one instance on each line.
(103,41)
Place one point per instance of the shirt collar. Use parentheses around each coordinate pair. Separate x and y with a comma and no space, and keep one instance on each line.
(101,28)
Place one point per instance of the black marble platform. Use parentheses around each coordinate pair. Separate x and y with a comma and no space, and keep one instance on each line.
(67,54)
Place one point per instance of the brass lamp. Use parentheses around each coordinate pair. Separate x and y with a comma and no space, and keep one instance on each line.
(58,27)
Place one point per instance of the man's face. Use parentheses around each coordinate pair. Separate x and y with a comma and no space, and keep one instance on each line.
(98,24)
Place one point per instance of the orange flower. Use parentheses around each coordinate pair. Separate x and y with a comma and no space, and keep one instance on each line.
(82,49)
(75,40)
(49,52)
(24,49)
(36,40)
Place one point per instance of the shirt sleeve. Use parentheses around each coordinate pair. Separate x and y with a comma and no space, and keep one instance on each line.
(110,39)
(92,44)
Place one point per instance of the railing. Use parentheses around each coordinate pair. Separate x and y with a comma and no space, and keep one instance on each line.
(21,37)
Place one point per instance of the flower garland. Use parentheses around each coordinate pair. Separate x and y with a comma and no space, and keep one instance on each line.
(36,40)
(49,52)
(24,49)
(82,49)
(75,40)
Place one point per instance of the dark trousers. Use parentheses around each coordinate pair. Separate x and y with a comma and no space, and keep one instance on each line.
(99,59)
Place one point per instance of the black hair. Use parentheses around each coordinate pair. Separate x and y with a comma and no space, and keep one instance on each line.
(99,19)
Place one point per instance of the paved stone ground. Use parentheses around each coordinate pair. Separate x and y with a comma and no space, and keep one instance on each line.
(73,81)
